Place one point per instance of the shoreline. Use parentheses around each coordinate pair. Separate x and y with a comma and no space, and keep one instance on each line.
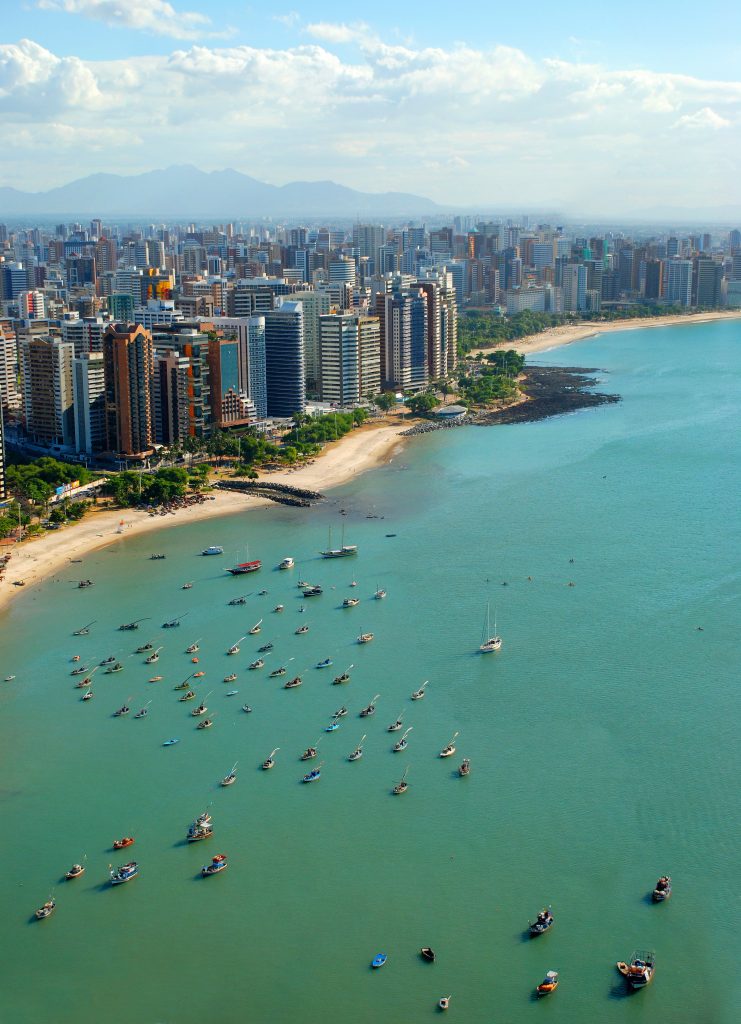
(36,560)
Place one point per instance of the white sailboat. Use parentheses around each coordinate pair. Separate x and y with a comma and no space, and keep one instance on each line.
(490,641)
(342,551)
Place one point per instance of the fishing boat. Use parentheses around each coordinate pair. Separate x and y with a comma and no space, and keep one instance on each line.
(74,872)
(342,551)
(449,748)
(187,586)
(358,752)
(213,549)
(153,657)
(85,583)
(280,671)
(256,664)
(231,678)
(379,960)
(314,591)
(123,710)
(144,648)
(231,777)
(144,711)
(542,923)
(88,695)
(197,832)
(640,970)
(333,725)
(126,873)
(293,683)
(173,623)
(81,684)
(232,693)
(662,890)
(265,648)
(343,677)
(261,593)
(75,657)
(370,709)
(155,679)
(269,761)
(238,600)
(121,844)
(365,638)
(80,670)
(309,754)
(203,819)
(128,627)
(198,675)
(114,668)
(235,648)
(157,558)
(193,648)
(205,724)
(490,641)
(106,661)
(46,910)
(218,864)
(402,785)
(287,563)
(464,767)
(84,630)
(403,743)
(303,628)
(419,694)
(350,602)
(200,710)
(184,685)
(187,696)
(325,663)
(246,708)
(171,743)
(444,1002)
(242,568)
(395,726)
(341,712)
(314,775)
(255,629)
(379,594)
(279,608)
(548,984)
(427,954)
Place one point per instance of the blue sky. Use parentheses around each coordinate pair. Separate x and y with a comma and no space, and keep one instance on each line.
(610,106)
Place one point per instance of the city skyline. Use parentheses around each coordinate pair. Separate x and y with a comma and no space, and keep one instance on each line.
(501,114)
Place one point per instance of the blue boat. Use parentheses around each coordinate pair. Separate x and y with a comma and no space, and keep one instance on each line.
(332,726)
(324,664)
(314,774)
(170,743)
(125,873)
(218,864)
(379,960)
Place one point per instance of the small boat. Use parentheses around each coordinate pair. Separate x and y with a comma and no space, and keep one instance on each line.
(444,1002)
(82,683)
(187,696)
(341,712)
(379,960)
(314,775)
(402,786)
(106,661)
(231,678)
(358,752)
(314,591)
(242,568)
(213,549)
(379,594)
(303,628)
(144,648)
(46,910)
(80,670)
(333,725)
(198,675)
(293,683)
(84,630)
(144,711)
(403,743)
(193,648)
(302,583)
(238,600)
(278,608)
(350,602)
(184,685)
(88,695)
(542,923)
(325,663)
(157,558)
(353,583)
(662,890)
(121,844)
(74,872)
(309,754)
(153,657)
(113,669)
(231,778)
(449,749)
(419,694)
(257,664)
(265,648)
(490,641)
(197,831)
(246,708)
(280,671)
(342,551)
(128,627)
(255,629)
(123,710)
(427,954)
(640,970)
(343,677)
(235,648)
(218,864)
(465,767)
(173,623)
(232,693)
(365,638)
(548,984)
(85,583)
(205,724)
(269,761)
(155,679)
(261,593)
(370,709)
(200,710)
(187,586)
(125,873)
(171,743)
(75,657)
(287,563)
(396,726)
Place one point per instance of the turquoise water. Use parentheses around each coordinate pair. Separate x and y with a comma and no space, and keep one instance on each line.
(602,737)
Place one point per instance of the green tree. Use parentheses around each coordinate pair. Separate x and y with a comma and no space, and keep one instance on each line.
(422,404)
(385,401)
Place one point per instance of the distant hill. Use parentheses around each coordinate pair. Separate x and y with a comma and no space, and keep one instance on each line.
(185,191)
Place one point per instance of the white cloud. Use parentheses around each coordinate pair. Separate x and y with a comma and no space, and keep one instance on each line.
(290,20)
(704,118)
(331,32)
(156,16)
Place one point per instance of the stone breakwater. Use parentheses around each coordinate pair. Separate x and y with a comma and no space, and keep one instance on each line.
(283,494)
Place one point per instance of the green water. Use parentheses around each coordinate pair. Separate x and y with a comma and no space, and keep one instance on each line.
(602,737)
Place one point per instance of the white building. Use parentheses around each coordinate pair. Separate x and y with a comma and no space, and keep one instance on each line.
(351,357)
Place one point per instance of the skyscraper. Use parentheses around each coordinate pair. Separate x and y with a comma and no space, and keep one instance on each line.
(129,368)
(3,491)
(284,359)
(88,385)
(706,282)
(46,371)
(250,378)
(574,285)
(351,357)
(678,289)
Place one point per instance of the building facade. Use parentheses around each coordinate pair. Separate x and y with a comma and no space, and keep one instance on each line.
(284,360)
(129,369)
(88,386)
(48,400)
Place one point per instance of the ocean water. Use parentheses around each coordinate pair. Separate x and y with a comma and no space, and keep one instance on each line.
(603,737)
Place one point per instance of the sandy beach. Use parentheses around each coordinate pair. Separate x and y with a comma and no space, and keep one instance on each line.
(37,559)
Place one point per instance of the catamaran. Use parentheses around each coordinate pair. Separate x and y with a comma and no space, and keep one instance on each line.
(490,641)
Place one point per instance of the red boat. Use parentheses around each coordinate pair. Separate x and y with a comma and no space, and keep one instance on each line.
(120,844)
(244,567)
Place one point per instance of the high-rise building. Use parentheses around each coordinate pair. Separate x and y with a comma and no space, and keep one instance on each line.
(678,288)
(3,491)
(653,279)
(88,384)
(250,381)
(403,315)
(315,303)
(284,359)
(10,396)
(351,357)
(342,270)
(46,371)
(368,239)
(574,287)
(707,279)
(170,396)
(129,368)
(188,342)
(85,333)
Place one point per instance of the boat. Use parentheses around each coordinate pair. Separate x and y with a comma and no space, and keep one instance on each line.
(353,583)
(640,970)
(269,761)
(444,1002)
(350,602)
(128,627)
(341,712)
(80,670)
(144,648)
(173,623)
(231,678)
(88,695)
(113,669)
(144,711)
(213,549)
(155,679)
(255,629)
(123,710)
(187,696)
(427,954)
(293,683)
(121,844)
(343,677)
(218,864)
(257,664)
(125,873)
(246,708)
(280,671)
(314,775)
(74,872)
(197,831)
(449,749)
(325,663)
(358,752)
(75,657)
(287,563)
(379,594)
(342,551)
(106,661)
(193,648)
(84,630)
(265,648)
(198,675)
(242,568)
(85,583)
(309,754)
(279,608)
(185,683)
(370,709)
(171,743)
(402,786)
(314,591)
(403,743)
(379,960)
(548,984)
(490,641)
(46,910)
(203,819)
(365,638)
(542,923)
(187,586)
(662,890)
(419,694)
(235,648)
(395,726)
(261,593)
(333,725)
(81,684)
(465,767)
(302,583)
(303,628)
(157,558)
(238,600)
(205,724)
(153,658)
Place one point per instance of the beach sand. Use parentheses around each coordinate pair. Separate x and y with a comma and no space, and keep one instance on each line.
(37,559)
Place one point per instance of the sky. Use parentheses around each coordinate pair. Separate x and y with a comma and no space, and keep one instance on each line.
(600,108)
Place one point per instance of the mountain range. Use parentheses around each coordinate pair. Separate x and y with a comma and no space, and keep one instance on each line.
(186,191)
